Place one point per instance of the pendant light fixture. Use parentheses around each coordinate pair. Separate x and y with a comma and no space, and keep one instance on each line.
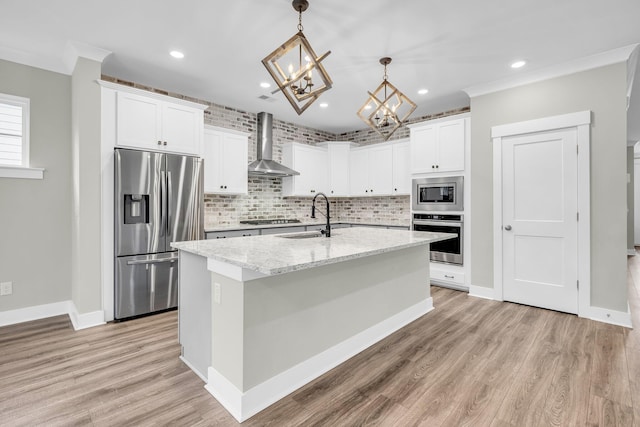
(296,68)
(386,108)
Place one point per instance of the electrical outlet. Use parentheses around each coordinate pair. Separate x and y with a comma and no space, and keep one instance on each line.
(216,293)
(6,288)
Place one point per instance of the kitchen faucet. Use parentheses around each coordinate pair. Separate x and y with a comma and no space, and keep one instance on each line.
(327,231)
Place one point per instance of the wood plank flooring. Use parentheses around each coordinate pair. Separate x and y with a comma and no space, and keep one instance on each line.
(470,362)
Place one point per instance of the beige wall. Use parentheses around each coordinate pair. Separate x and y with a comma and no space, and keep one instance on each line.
(35,230)
(86,278)
(603,91)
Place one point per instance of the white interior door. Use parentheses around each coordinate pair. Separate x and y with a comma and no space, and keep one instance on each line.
(540,224)
(636,201)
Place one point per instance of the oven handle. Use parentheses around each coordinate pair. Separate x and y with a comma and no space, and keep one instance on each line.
(444,223)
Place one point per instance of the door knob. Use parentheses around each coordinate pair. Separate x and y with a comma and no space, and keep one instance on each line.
(507,227)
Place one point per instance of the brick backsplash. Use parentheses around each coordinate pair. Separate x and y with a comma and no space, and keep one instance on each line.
(265,200)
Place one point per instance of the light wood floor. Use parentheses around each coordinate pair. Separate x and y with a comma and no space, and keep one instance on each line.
(470,362)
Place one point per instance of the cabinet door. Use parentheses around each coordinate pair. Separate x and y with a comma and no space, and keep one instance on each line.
(359,172)
(338,159)
(424,149)
(311,163)
(211,148)
(401,171)
(233,164)
(380,171)
(181,128)
(138,121)
(451,137)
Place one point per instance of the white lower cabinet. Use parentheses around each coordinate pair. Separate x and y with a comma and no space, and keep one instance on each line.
(225,161)
(311,162)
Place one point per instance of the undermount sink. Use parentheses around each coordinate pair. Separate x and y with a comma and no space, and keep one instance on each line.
(303,235)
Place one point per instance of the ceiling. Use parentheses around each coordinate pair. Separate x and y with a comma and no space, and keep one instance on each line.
(442,46)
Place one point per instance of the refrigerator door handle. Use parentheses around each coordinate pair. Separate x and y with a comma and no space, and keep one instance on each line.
(169,203)
(152,261)
(163,201)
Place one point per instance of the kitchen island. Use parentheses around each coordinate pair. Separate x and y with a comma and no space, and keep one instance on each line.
(261,316)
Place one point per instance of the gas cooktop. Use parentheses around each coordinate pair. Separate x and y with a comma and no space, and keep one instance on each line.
(270,221)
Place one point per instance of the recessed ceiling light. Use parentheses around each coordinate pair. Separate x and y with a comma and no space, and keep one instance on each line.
(265,85)
(518,64)
(176,54)
(423,91)
(324,105)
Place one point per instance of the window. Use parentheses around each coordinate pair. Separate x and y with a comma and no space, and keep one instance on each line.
(14,138)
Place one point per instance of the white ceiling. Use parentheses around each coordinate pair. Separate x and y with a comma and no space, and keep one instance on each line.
(444,46)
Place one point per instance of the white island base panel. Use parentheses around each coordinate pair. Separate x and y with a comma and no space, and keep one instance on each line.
(244,405)
(259,340)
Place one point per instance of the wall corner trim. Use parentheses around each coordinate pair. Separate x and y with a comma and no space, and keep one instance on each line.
(37,312)
(74,50)
(243,405)
(85,320)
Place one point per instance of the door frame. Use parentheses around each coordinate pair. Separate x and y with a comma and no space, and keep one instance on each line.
(580,121)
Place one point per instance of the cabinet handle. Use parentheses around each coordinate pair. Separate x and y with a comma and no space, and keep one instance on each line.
(366,191)
(331,191)
(372,190)
(225,187)
(449,277)
(221,187)
(159,142)
(433,166)
(395,189)
(437,166)
(165,143)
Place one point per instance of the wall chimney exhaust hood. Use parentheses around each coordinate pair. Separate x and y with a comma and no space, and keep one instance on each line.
(264,166)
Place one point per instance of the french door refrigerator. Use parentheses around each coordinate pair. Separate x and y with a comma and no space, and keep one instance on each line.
(158,200)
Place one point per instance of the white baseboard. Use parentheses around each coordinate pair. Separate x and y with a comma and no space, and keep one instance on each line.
(85,320)
(481,292)
(27,314)
(631,252)
(195,371)
(613,317)
(244,405)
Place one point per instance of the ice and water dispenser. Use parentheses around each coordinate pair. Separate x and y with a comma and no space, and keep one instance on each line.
(136,208)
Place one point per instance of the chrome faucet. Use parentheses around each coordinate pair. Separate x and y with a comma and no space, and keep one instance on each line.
(327,231)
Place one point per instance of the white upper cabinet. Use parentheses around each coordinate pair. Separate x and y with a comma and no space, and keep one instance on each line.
(371,171)
(338,167)
(438,147)
(380,170)
(225,161)
(158,122)
(311,162)
(401,168)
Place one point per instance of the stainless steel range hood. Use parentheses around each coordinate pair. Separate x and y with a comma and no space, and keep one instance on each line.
(264,166)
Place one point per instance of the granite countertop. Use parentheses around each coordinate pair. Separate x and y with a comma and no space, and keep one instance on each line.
(234,227)
(273,255)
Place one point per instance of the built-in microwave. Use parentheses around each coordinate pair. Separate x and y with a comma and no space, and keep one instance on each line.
(437,194)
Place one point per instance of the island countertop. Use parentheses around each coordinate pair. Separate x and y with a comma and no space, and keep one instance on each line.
(275,254)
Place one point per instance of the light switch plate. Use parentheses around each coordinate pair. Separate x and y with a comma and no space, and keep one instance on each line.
(6,288)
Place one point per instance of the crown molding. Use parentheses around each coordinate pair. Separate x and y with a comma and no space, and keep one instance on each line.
(74,50)
(583,64)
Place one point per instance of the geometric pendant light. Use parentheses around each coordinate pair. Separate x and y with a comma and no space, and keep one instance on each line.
(292,67)
(386,108)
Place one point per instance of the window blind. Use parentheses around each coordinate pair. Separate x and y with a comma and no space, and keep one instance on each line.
(11,134)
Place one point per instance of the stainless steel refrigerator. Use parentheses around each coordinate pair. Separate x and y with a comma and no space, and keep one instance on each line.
(158,200)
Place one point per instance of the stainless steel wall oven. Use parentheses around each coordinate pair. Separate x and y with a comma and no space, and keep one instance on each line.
(448,251)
